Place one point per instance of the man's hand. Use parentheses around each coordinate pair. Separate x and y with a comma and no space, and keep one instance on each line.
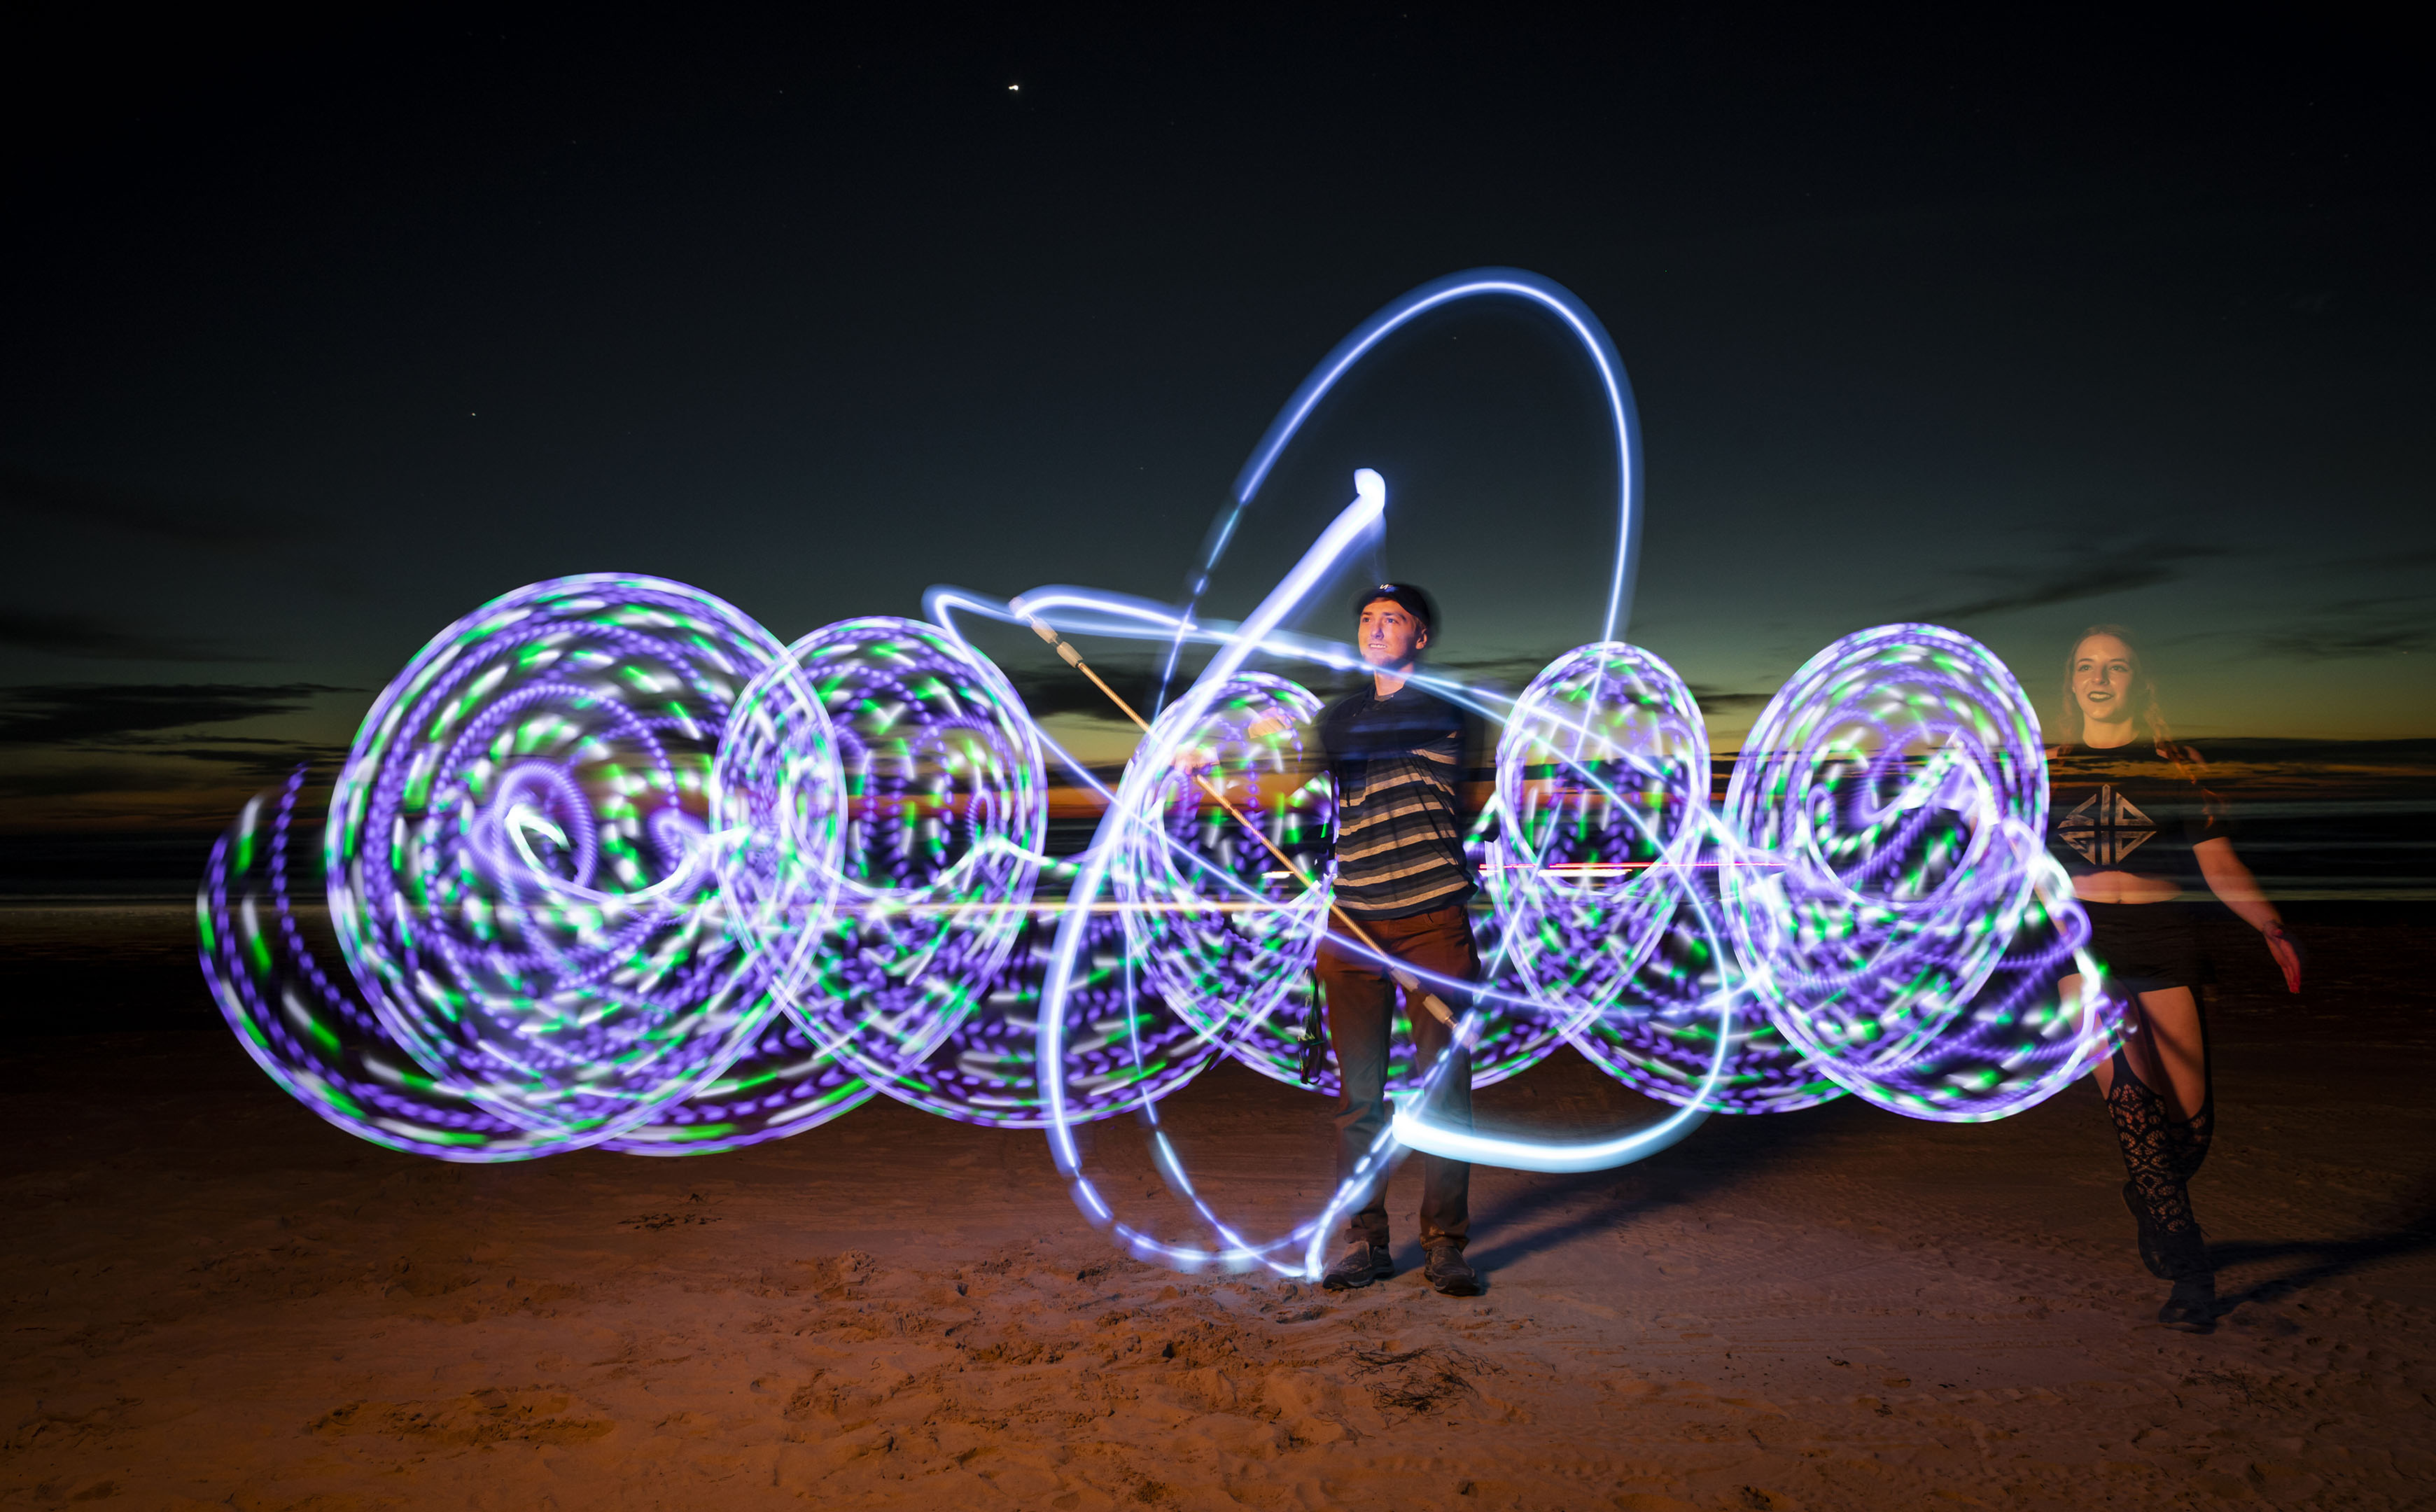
(1190,758)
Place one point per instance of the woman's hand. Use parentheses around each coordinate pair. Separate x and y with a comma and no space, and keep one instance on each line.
(2286,948)
(2237,890)
(1267,726)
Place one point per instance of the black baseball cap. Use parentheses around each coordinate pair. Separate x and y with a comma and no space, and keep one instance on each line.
(1406,595)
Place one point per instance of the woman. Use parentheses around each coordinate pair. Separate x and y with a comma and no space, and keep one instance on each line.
(2128,819)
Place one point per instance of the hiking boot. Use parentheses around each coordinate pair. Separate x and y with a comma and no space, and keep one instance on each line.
(1450,1273)
(1363,1264)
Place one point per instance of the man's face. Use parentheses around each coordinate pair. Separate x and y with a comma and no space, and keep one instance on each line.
(1389,636)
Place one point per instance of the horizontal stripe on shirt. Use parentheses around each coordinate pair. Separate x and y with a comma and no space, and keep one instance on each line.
(1399,842)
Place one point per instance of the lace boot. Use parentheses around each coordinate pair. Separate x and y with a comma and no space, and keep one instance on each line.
(2189,1142)
(2156,1153)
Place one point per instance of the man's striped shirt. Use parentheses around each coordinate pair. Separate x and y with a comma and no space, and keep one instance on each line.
(1399,828)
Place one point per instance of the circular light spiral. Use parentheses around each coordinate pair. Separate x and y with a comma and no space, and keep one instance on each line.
(1225,934)
(312,1035)
(1691,989)
(519,861)
(1898,786)
(1605,881)
(1602,779)
(909,785)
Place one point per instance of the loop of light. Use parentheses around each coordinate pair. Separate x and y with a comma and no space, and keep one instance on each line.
(608,865)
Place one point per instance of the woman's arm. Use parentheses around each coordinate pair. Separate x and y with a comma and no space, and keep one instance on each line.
(2230,881)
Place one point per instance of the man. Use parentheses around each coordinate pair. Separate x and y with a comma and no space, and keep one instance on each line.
(1396,751)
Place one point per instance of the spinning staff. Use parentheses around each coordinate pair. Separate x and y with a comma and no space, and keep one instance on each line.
(1397,751)
(1404,979)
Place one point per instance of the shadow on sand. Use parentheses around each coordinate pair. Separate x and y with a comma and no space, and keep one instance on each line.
(2321,1261)
(1716,1157)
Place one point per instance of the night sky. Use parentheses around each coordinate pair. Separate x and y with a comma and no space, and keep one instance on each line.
(318,337)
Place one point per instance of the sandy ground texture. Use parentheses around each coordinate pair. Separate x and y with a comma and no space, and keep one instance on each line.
(215,1300)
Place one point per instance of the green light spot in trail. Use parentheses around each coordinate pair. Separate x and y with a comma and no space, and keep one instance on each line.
(699,1132)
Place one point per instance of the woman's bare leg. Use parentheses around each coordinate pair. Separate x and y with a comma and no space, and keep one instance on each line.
(2172,1056)
(2164,1048)
(2066,990)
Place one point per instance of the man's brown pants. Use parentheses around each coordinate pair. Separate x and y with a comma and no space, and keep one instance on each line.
(1360,998)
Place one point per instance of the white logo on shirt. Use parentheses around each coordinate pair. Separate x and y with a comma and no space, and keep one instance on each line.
(2106,827)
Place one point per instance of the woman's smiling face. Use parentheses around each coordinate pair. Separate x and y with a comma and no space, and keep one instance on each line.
(2102,669)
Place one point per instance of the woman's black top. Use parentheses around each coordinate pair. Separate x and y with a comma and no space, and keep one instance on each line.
(2136,808)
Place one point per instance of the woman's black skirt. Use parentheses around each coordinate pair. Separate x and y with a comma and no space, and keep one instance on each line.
(2147,946)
